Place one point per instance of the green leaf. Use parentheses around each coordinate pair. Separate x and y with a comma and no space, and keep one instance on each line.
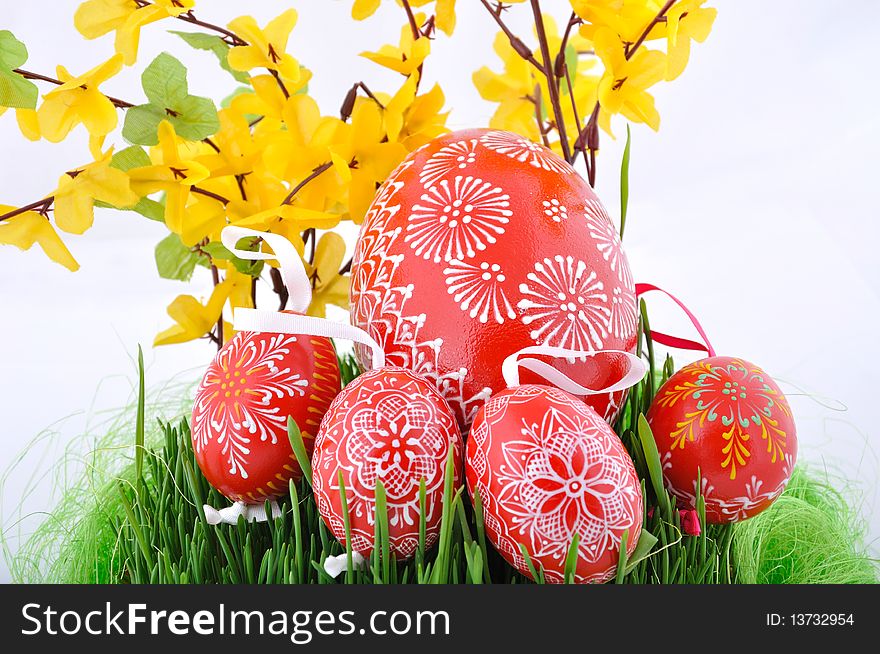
(193,117)
(164,81)
(624,181)
(129,158)
(196,119)
(142,124)
(15,90)
(150,209)
(174,260)
(219,251)
(215,44)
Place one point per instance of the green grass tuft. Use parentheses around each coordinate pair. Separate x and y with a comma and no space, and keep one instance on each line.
(125,527)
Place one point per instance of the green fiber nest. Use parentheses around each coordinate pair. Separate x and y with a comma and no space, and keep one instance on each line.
(135,516)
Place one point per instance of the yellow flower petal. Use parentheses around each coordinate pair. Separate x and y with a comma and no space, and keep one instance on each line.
(444,12)
(28,123)
(362,9)
(30,227)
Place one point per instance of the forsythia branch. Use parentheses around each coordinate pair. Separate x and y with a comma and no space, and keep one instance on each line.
(121,104)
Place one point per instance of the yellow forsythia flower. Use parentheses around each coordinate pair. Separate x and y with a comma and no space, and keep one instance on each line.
(362,9)
(194,319)
(328,286)
(78,100)
(95,18)
(405,58)
(622,88)
(267,47)
(79,189)
(30,227)
(170,173)
(685,21)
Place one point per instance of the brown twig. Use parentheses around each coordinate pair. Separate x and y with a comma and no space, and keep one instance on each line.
(189,17)
(43,206)
(234,39)
(629,51)
(411,17)
(560,56)
(536,100)
(279,288)
(120,104)
(347,107)
(218,336)
(551,84)
(315,173)
(347,267)
(589,136)
(210,194)
(519,47)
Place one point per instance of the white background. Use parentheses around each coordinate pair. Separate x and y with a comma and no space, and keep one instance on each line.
(755,203)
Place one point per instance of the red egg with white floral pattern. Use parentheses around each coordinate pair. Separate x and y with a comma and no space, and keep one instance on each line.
(479,244)
(392,426)
(725,422)
(239,420)
(549,468)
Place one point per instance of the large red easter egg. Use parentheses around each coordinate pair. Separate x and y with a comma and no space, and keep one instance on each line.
(239,420)
(725,421)
(393,426)
(479,244)
(547,468)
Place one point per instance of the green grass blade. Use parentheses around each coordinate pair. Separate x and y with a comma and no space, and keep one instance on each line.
(139,420)
(655,471)
(621,561)
(299,449)
(624,181)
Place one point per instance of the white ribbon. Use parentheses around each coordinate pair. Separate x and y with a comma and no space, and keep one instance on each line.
(512,365)
(290,264)
(230,515)
(336,565)
(253,320)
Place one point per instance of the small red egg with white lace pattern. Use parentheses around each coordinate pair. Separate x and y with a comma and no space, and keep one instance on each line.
(724,424)
(239,419)
(392,426)
(549,469)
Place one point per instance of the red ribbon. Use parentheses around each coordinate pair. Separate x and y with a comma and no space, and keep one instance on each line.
(675,341)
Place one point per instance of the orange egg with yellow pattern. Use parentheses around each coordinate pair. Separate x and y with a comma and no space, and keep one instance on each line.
(239,419)
(723,427)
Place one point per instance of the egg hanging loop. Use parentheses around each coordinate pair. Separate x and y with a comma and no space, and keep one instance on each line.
(512,364)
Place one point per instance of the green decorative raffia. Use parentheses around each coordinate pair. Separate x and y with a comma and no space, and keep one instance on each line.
(116,527)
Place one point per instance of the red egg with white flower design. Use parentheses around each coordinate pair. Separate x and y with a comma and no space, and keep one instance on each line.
(479,244)
(393,426)
(239,419)
(724,421)
(547,468)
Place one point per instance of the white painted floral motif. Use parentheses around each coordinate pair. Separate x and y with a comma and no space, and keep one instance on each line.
(393,428)
(565,304)
(378,304)
(554,210)
(477,290)
(623,319)
(234,400)
(453,157)
(608,242)
(559,481)
(523,150)
(457,221)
